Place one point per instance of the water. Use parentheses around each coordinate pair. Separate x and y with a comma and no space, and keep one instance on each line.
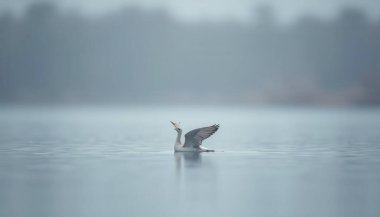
(119,162)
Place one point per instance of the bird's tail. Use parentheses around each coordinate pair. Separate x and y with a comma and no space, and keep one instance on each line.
(206,150)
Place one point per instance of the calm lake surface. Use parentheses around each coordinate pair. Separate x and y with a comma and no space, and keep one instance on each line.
(119,162)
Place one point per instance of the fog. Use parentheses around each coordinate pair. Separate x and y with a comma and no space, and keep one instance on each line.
(138,54)
(88,89)
(190,10)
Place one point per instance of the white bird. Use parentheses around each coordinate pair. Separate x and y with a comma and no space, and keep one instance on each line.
(193,139)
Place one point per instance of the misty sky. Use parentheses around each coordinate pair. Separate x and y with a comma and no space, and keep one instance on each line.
(191,10)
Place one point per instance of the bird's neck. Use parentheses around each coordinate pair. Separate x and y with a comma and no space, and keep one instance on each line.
(178,140)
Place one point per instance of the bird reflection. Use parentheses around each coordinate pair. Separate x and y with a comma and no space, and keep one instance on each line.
(190,159)
(187,159)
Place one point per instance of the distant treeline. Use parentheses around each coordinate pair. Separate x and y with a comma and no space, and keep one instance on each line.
(136,56)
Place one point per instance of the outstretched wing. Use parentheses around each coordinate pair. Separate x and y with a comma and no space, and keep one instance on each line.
(195,137)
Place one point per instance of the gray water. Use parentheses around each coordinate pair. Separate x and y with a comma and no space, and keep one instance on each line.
(119,162)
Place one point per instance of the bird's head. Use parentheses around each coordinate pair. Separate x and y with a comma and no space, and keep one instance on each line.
(176,126)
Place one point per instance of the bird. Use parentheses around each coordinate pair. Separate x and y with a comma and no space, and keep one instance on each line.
(193,139)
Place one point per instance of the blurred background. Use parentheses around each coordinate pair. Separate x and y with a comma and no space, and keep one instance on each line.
(88,87)
(241,52)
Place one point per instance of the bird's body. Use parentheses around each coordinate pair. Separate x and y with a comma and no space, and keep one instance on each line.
(193,139)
